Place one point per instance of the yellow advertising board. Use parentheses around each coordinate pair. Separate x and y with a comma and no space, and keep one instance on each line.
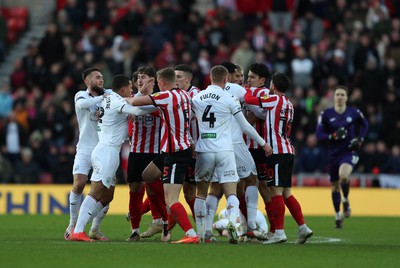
(53,199)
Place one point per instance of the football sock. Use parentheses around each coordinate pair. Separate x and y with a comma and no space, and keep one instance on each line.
(157,198)
(252,205)
(135,209)
(295,209)
(243,205)
(270,214)
(279,212)
(190,202)
(211,206)
(345,190)
(146,206)
(181,216)
(232,208)
(85,214)
(99,218)
(200,211)
(171,221)
(336,199)
(75,201)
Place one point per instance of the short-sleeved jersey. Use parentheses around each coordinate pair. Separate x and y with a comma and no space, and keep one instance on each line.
(175,115)
(329,121)
(259,126)
(146,133)
(194,128)
(280,113)
(239,92)
(113,125)
(214,108)
(87,122)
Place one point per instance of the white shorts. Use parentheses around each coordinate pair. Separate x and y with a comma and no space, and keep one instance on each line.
(216,167)
(244,160)
(83,161)
(105,161)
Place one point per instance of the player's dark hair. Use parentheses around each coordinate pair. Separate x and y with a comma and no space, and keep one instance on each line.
(119,81)
(150,71)
(260,69)
(229,66)
(281,82)
(218,73)
(135,77)
(343,88)
(88,71)
(184,68)
(168,74)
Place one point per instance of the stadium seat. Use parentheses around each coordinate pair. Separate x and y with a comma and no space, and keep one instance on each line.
(19,12)
(45,178)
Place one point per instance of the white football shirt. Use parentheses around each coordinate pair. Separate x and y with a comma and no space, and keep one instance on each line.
(113,125)
(239,92)
(214,109)
(85,109)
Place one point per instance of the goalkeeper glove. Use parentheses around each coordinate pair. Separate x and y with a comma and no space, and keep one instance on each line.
(355,144)
(339,134)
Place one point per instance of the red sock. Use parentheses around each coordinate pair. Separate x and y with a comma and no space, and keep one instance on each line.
(191,205)
(243,205)
(181,216)
(146,206)
(279,211)
(295,209)
(171,221)
(157,198)
(269,208)
(135,208)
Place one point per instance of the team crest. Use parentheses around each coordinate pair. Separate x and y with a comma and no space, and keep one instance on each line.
(156,94)
(264,97)
(349,119)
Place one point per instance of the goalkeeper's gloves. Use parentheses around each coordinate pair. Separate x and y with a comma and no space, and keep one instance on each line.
(355,144)
(339,134)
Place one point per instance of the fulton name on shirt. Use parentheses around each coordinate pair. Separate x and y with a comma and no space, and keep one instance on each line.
(210,95)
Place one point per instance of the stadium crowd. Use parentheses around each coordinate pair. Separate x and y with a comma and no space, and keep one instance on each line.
(319,44)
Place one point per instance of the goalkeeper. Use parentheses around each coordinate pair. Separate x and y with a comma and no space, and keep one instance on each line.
(343,129)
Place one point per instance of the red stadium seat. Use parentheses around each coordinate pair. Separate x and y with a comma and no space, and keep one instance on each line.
(19,12)
(5,12)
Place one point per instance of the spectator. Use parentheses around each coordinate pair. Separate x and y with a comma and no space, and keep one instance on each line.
(27,170)
(312,157)
(6,101)
(392,164)
(6,170)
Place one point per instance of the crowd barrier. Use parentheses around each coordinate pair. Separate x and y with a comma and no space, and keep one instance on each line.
(53,199)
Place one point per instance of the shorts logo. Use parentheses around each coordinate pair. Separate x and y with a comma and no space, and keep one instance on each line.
(76,168)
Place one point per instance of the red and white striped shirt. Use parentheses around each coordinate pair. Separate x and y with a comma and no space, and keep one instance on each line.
(280,113)
(146,133)
(194,127)
(175,114)
(259,125)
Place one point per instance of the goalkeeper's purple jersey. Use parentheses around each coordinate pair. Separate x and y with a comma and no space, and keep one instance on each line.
(329,121)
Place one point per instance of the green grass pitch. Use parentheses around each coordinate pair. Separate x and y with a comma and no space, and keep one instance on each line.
(37,241)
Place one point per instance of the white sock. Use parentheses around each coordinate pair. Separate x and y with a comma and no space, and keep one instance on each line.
(75,201)
(87,207)
(211,206)
(232,207)
(190,233)
(200,211)
(99,218)
(252,205)
(158,221)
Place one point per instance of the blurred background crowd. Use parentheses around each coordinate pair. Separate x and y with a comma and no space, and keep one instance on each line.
(318,43)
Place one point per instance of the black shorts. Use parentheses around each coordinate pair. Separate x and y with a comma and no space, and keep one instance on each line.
(137,162)
(259,158)
(159,161)
(189,176)
(175,166)
(279,169)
